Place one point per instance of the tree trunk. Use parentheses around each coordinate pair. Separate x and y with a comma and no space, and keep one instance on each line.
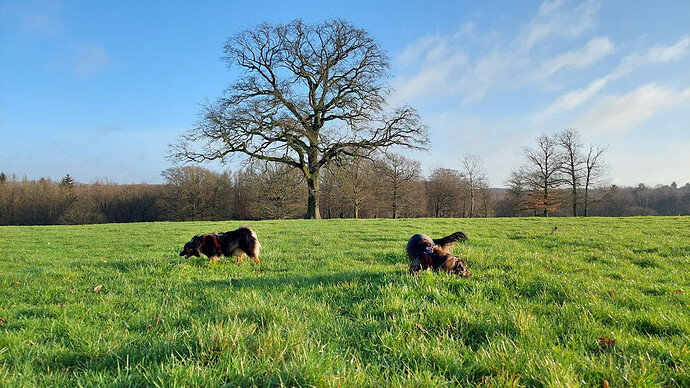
(313,199)
(574,201)
(313,176)
(395,201)
(586,204)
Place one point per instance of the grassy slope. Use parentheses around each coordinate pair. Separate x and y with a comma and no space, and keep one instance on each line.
(333,305)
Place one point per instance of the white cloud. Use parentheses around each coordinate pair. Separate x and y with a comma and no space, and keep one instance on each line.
(469,65)
(36,17)
(415,50)
(553,19)
(654,55)
(619,114)
(575,98)
(90,59)
(595,50)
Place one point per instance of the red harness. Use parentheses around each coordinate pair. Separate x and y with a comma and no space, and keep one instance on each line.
(427,256)
(215,241)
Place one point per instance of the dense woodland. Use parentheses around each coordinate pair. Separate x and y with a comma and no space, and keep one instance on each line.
(387,187)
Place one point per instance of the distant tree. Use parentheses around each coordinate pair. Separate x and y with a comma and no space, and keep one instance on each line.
(474,172)
(244,195)
(570,142)
(485,196)
(616,202)
(517,192)
(279,190)
(595,172)
(394,172)
(355,178)
(543,174)
(67,182)
(330,190)
(195,193)
(307,95)
(3,177)
(443,190)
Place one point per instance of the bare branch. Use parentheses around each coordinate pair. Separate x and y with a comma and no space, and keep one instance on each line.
(307,94)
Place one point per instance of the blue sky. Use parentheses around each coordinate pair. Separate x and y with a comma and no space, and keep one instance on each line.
(99,89)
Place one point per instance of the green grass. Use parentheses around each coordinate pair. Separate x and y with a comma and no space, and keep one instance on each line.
(333,305)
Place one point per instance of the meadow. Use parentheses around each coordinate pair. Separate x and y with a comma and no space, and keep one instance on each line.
(600,301)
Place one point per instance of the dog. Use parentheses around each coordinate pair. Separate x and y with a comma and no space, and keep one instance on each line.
(240,242)
(425,252)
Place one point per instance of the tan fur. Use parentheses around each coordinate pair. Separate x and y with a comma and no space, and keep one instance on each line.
(440,255)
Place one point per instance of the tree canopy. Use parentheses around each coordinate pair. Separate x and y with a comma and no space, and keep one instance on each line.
(307,95)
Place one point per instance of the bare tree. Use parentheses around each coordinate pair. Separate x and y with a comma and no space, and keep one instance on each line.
(570,141)
(195,193)
(278,190)
(474,172)
(356,177)
(596,172)
(517,192)
(307,95)
(542,172)
(395,170)
(443,190)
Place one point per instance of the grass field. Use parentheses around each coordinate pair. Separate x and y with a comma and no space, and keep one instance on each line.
(332,305)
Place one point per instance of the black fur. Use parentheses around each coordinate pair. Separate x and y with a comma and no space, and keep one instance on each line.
(425,252)
(240,242)
(446,243)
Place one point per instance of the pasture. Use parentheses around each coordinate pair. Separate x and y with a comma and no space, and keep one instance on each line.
(601,300)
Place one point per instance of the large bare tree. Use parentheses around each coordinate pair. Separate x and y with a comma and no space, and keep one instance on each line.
(307,95)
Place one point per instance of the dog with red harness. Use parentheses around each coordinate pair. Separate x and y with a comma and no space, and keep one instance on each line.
(425,252)
(240,242)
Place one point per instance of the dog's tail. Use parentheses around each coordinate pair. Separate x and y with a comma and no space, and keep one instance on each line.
(446,243)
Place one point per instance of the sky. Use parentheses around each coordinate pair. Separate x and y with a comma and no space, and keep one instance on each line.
(98,90)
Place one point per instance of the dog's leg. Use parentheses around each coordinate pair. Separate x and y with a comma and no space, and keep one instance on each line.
(416,266)
(215,259)
(239,258)
(256,259)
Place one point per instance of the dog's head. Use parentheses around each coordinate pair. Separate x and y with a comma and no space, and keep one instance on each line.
(418,245)
(192,247)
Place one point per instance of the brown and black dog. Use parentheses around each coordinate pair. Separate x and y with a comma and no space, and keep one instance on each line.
(425,252)
(240,242)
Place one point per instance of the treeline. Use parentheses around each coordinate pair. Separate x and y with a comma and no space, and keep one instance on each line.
(388,187)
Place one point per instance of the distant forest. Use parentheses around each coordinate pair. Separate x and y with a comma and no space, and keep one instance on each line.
(387,187)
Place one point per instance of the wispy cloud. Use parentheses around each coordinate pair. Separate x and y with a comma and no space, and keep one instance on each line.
(619,114)
(468,65)
(595,50)
(653,55)
(554,19)
(89,59)
(36,17)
